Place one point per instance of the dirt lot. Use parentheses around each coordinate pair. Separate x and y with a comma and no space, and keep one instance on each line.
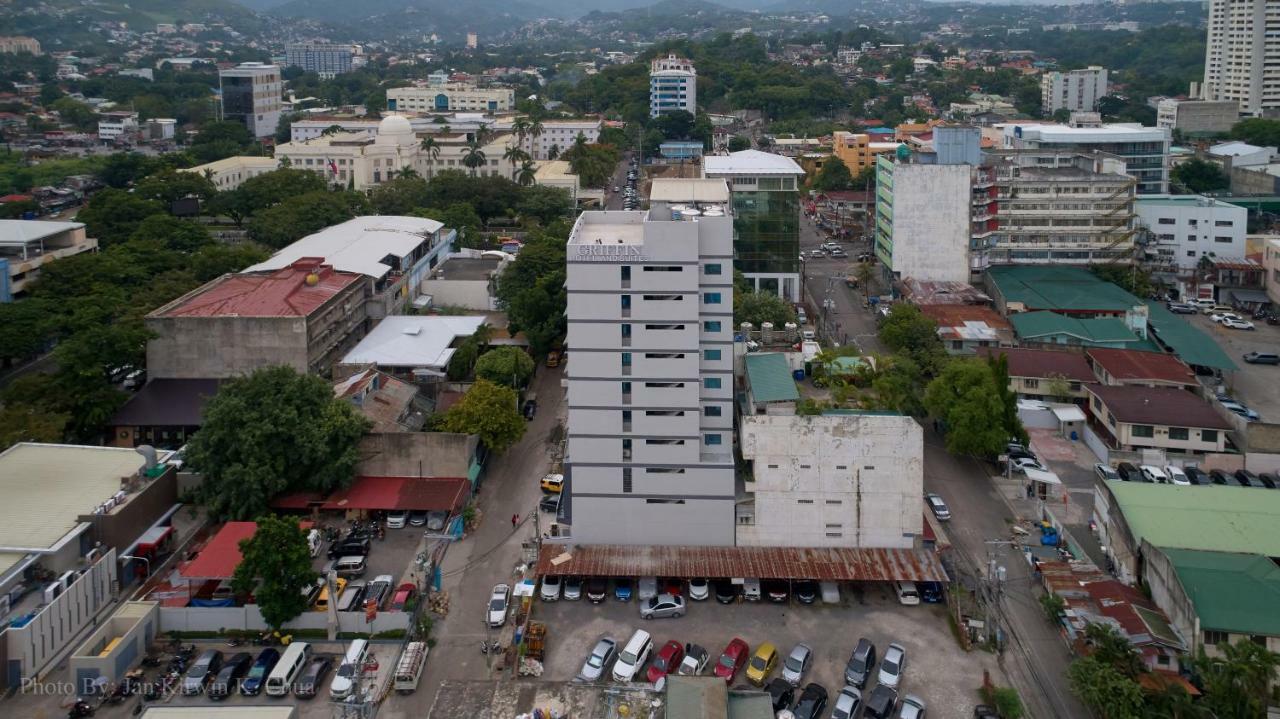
(1258,386)
(938,670)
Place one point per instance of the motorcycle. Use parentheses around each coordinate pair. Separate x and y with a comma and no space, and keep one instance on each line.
(81,708)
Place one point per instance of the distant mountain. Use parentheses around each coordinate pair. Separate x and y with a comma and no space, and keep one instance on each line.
(412,16)
(262,5)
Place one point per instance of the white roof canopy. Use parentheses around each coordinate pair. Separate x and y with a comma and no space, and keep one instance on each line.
(357,245)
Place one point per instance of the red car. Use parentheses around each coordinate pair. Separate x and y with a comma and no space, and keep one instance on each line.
(667,660)
(731,661)
(402,597)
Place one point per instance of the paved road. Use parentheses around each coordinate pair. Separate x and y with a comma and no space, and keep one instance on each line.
(488,555)
(613,200)
(848,320)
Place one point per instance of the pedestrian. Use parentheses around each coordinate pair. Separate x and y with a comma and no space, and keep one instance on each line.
(515,519)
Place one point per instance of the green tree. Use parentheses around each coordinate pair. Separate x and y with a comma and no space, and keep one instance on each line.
(908,331)
(76,113)
(173,233)
(544,204)
(463,359)
(999,365)
(738,143)
(474,158)
(965,397)
(1112,648)
(489,411)
(25,423)
(834,175)
(113,215)
(170,185)
(275,566)
(1106,689)
(1236,683)
(25,329)
(1198,176)
(272,432)
(1257,131)
(509,366)
(899,386)
(220,139)
(399,196)
(531,289)
(299,216)
(218,259)
(760,307)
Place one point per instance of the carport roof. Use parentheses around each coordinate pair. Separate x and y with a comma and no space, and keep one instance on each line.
(221,556)
(386,493)
(818,563)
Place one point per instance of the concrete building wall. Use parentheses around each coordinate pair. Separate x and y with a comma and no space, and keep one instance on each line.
(218,347)
(833,481)
(1271,270)
(469,294)
(416,454)
(1240,55)
(1167,592)
(930,222)
(1074,90)
(1187,229)
(1254,181)
(135,625)
(1197,116)
(125,523)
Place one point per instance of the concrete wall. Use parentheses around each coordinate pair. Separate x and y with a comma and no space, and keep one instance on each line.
(220,347)
(931,222)
(416,454)
(33,648)
(136,624)
(471,294)
(1168,594)
(1253,181)
(248,617)
(834,481)
(125,523)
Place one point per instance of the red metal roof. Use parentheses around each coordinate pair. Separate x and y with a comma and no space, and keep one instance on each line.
(949,315)
(220,557)
(1135,365)
(1169,406)
(386,493)
(1027,362)
(819,563)
(283,293)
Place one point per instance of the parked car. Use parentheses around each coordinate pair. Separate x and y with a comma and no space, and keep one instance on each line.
(1128,472)
(378,589)
(912,707)
(776,590)
(695,661)
(797,664)
(892,666)
(1222,316)
(781,694)
(1237,324)
(228,678)
(597,589)
(1247,478)
(811,702)
(1239,409)
(1176,475)
(1262,358)
(312,677)
(204,668)
(530,409)
(839,253)
(861,661)
(1105,472)
(436,519)
(1220,477)
(731,660)
(983,711)
(1270,481)
(1180,308)
(572,589)
(632,656)
(848,702)
(930,592)
(1196,477)
(699,589)
(762,663)
(667,659)
(726,591)
(418,518)
(1022,464)
(881,702)
(553,483)
(806,591)
(598,660)
(499,602)
(622,587)
(550,503)
(252,683)
(349,548)
(661,606)
(646,588)
(1203,304)
(939,507)
(397,518)
(550,590)
(1153,474)
(402,596)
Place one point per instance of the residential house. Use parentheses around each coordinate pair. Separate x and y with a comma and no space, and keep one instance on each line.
(1051,328)
(1133,418)
(1038,374)
(1118,367)
(964,329)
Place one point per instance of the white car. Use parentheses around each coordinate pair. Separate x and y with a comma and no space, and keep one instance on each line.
(1105,472)
(397,518)
(1022,464)
(912,707)
(797,663)
(1154,474)
(1237,324)
(550,590)
(939,507)
(848,702)
(1220,316)
(1176,476)
(599,660)
(1202,304)
(695,661)
(499,600)
(892,666)
(699,589)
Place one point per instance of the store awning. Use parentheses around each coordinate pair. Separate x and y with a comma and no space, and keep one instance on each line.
(1036,475)
(1250,296)
(1066,413)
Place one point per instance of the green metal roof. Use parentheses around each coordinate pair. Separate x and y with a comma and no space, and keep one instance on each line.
(770,378)
(1096,330)
(1219,518)
(1236,593)
(1188,343)
(1071,289)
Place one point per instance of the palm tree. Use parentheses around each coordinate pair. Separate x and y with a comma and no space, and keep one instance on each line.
(535,131)
(481,135)
(474,157)
(432,148)
(521,128)
(580,141)
(528,170)
(553,152)
(514,155)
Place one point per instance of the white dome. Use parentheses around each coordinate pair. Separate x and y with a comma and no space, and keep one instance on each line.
(394,125)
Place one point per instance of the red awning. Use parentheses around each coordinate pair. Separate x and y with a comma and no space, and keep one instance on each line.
(221,556)
(387,493)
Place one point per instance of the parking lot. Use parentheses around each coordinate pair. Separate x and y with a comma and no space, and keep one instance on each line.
(392,555)
(937,669)
(1256,385)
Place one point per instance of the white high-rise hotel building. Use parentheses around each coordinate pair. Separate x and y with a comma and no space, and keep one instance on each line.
(650,313)
(673,85)
(1242,55)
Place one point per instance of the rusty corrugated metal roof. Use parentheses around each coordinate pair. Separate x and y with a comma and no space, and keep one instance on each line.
(819,563)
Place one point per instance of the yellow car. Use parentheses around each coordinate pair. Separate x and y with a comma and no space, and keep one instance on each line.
(553,483)
(322,603)
(762,664)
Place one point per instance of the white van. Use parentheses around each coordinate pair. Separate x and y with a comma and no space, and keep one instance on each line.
(313,542)
(347,678)
(409,668)
(751,589)
(286,671)
(1154,474)
(352,566)
(633,656)
(907,593)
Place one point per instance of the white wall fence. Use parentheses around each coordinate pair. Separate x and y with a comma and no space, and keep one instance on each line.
(249,618)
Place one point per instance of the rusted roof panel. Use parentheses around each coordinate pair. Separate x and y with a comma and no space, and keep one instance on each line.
(821,563)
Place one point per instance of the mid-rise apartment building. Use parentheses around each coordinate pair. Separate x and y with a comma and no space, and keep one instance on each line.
(673,86)
(766,226)
(13,44)
(1187,228)
(1242,54)
(325,59)
(250,95)
(857,150)
(451,98)
(1145,150)
(1073,90)
(650,315)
